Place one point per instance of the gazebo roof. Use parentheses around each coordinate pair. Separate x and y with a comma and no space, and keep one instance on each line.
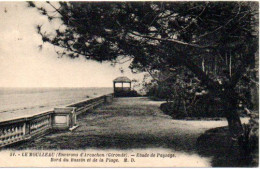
(122,79)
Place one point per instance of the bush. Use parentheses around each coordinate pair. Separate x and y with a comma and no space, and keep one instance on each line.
(159,93)
(248,142)
(248,145)
(131,93)
(203,107)
(170,109)
(207,106)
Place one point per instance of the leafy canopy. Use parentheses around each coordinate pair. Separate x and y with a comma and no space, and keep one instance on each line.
(160,35)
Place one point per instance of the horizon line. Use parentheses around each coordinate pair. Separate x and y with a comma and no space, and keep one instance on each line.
(54,87)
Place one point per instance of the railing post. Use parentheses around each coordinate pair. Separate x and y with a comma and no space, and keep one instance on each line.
(105,99)
(64,117)
(74,117)
(51,120)
(108,98)
(26,128)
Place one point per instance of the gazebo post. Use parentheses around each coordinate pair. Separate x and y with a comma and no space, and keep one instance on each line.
(114,87)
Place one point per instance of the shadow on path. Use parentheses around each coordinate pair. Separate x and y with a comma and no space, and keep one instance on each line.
(216,143)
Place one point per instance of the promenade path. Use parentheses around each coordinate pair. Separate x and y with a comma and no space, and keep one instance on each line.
(129,124)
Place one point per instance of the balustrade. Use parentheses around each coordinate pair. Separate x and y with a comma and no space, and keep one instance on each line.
(11,133)
(40,124)
(25,128)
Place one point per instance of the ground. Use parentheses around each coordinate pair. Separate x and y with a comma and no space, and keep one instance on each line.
(132,123)
(225,153)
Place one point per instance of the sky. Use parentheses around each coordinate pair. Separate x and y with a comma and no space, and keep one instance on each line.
(22,64)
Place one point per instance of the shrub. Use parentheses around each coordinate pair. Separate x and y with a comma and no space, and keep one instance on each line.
(248,142)
(203,106)
(170,109)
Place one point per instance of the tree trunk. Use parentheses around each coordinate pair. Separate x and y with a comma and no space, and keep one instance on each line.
(234,123)
(228,95)
(230,108)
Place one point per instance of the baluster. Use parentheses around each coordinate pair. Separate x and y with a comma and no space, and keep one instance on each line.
(32,126)
(41,123)
(21,130)
(12,133)
(16,132)
(36,125)
(24,128)
(1,137)
(8,134)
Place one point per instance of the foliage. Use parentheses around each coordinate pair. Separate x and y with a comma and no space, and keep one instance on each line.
(248,144)
(131,93)
(186,96)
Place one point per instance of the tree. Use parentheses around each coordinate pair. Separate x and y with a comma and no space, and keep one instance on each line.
(160,36)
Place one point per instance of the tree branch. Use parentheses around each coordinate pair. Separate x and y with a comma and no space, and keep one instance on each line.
(194,19)
(222,26)
(173,41)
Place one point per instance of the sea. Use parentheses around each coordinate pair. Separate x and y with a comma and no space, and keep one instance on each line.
(23,102)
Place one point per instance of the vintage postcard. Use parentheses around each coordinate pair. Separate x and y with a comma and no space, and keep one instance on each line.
(129,84)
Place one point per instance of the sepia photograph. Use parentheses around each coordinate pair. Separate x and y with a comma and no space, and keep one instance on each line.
(129,84)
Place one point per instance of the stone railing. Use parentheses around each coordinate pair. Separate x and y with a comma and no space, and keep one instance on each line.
(61,118)
(24,128)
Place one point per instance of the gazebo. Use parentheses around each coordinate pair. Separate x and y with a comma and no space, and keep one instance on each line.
(122,86)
